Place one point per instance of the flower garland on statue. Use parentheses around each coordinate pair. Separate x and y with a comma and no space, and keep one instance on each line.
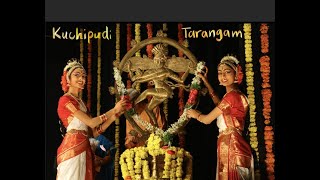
(174,128)
(134,159)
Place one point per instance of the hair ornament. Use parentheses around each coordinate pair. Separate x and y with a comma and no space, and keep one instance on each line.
(230,58)
(72,64)
(233,62)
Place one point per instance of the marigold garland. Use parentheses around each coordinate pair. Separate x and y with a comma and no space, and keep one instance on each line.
(149,50)
(135,165)
(81,54)
(165,102)
(250,88)
(117,121)
(150,35)
(181,90)
(129,39)
(180,38)
(137,36)
(129,36)
(81,48)
(137,39)
(89,76)
(266,97)
(99,78)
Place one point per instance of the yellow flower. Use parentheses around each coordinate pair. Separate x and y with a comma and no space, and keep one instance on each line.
(253,139)
(253,129)
(134,162)
(253,134)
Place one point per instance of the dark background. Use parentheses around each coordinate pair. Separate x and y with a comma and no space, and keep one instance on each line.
(200,138)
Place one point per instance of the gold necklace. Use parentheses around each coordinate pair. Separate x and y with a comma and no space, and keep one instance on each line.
(79,100)
(76,98)
(73,96)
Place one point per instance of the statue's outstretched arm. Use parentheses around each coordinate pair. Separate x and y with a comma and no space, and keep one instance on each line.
(178,79)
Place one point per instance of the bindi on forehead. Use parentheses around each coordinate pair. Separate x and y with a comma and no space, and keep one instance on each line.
(224,67)
(79,70)
(79,73)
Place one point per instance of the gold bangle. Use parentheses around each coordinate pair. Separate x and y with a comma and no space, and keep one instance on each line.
(99,129)
(211,94)
(103,118)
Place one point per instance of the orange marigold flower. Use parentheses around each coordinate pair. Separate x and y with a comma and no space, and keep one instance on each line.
(129,37)
(266,121)
(268,107)
(264,38)
(264,28)
(265,77)
(268,142)
(266,91)
(266,110)
(265,50)
(264,59)
(270,160)
(268,133)
(268,128)
(266,84)
(269,155)
(271,177)
(181,93)
(267,95)
(266,103)
(267,116)
(265,69)
(268,149)
(270,169)
(268,138)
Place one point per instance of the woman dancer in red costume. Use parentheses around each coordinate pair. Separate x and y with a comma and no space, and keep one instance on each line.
(234,157)
(75,158)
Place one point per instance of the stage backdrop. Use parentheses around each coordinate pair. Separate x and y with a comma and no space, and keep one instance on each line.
(252,43)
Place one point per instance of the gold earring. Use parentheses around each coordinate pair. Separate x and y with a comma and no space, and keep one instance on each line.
(235,80)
